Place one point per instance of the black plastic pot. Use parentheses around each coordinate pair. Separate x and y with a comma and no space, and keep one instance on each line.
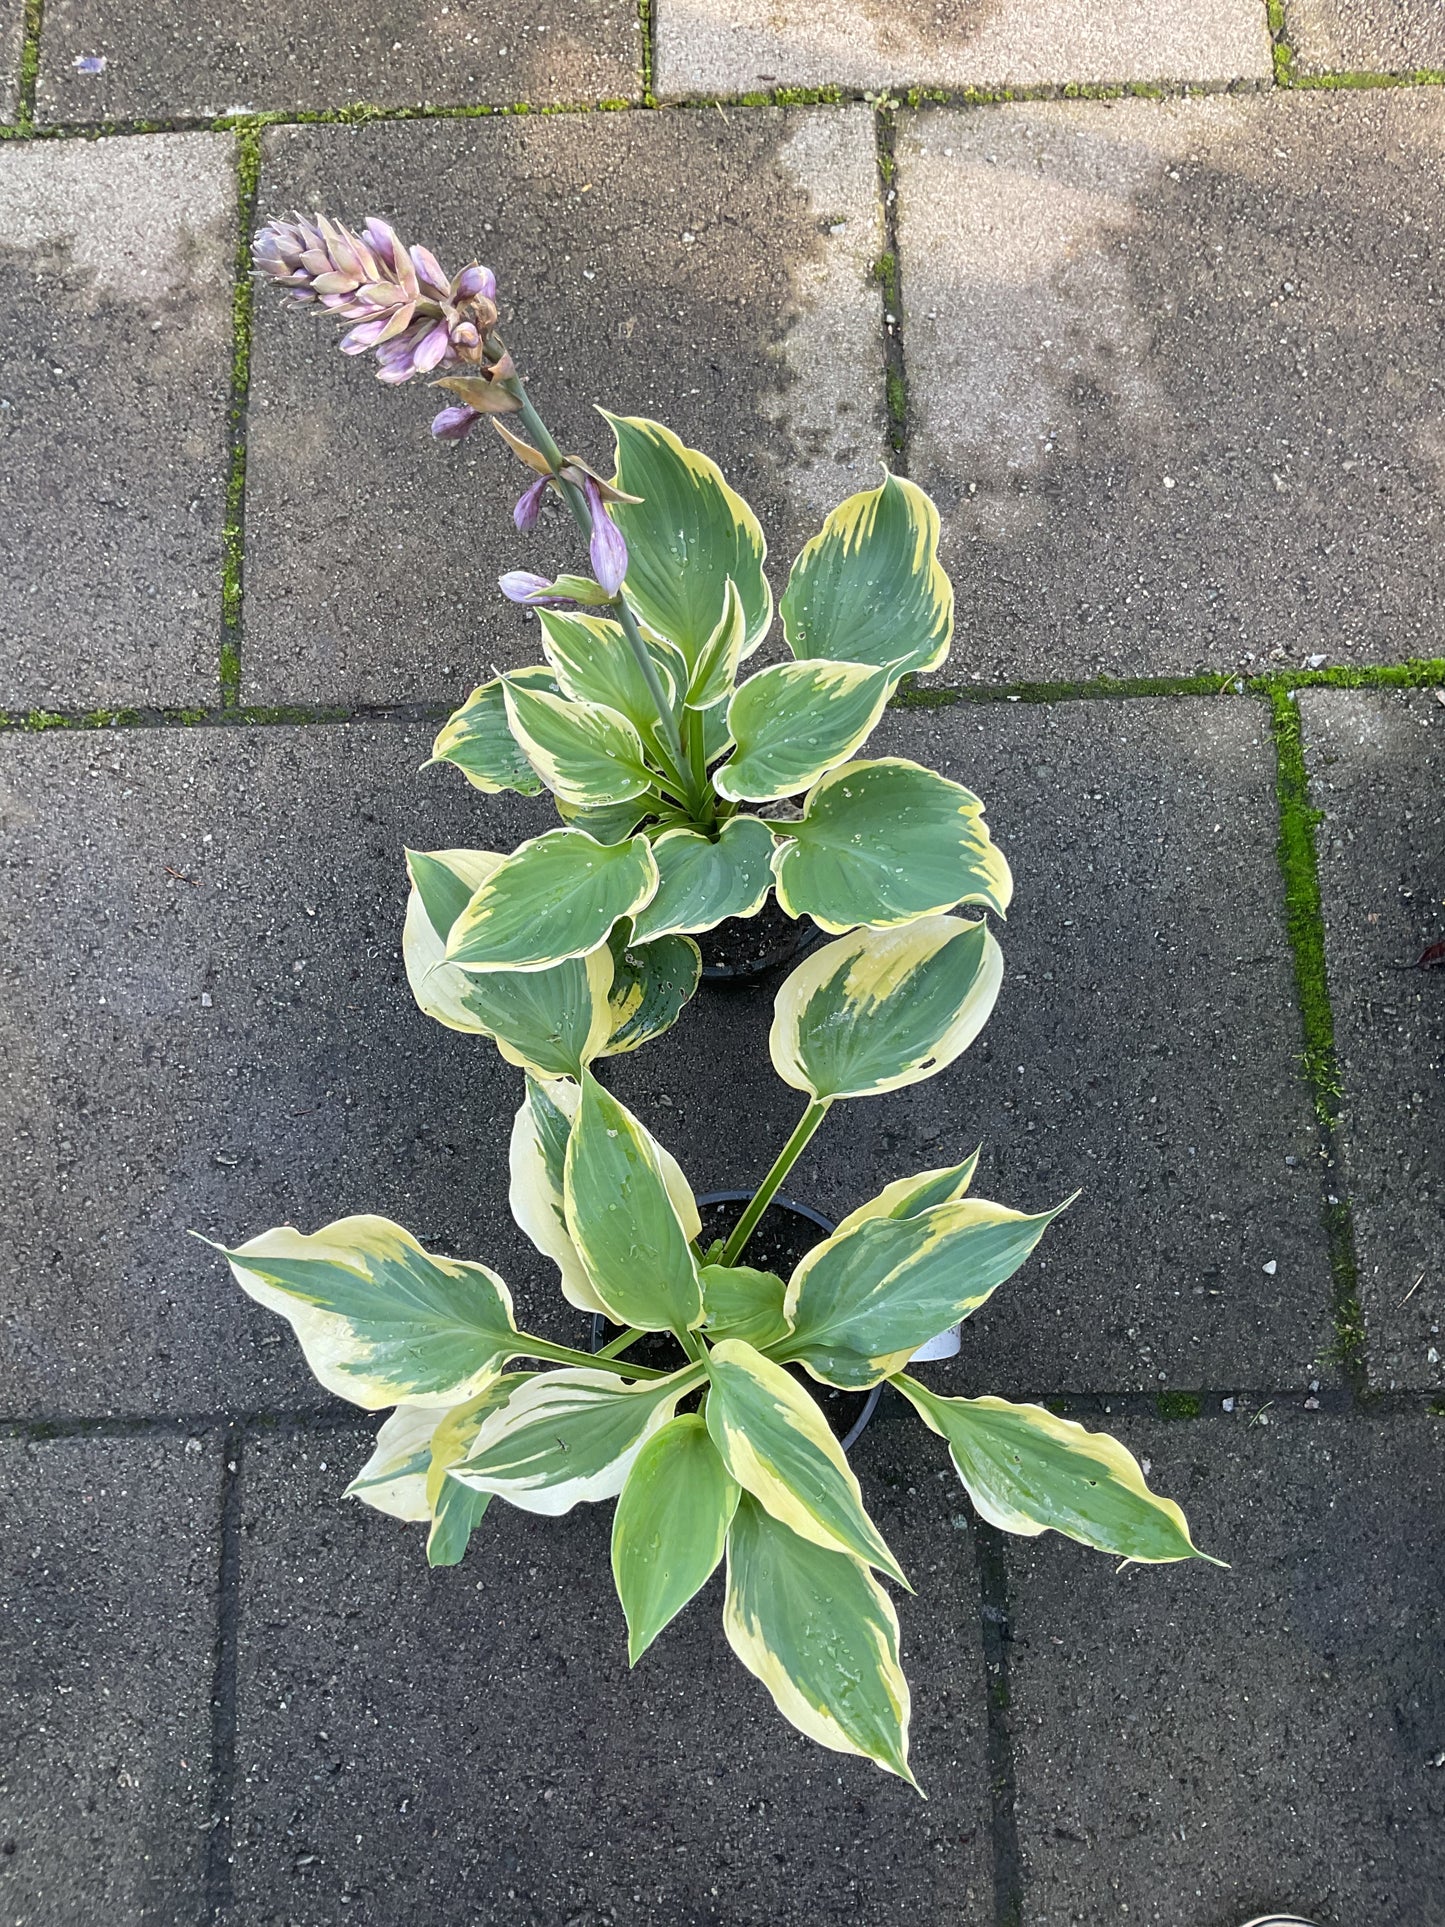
(777,1245)
(742,949)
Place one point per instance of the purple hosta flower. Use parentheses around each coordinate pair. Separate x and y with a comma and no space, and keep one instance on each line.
(454,424)
(529,504)
(405,309)
(536,592)
(607,548)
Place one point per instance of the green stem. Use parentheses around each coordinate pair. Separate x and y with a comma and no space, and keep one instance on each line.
(747,1224)
(564,1355)
(621,1342)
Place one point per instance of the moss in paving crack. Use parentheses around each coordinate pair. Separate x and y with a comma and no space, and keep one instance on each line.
(1178,1405)
(29,74)
(1279,43)
(885,273)
(1361,82)
(248,176)
(645,26)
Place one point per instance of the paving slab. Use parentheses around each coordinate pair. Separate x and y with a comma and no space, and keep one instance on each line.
(12,39)
(108,1634)
(711,270)
(471,1740)
(1194,1747)
(115,266)
(222,1042)
(1145,1049)
(1377,771)
(740,46)
(1372,36)
(1169,377)
(177,59)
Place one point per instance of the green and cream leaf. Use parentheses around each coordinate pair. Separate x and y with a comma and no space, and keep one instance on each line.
(821,1634)
(862,1302)
(478,739)
(793,722)
(594,664)
(538,1157)
(776,1443)
(555,897)
(589,756)
(717,666)
(879,1009)
(394,1478)
(869,587)
(382,1321)
(568,1437)
(738,1302)
(884,842)
(702,882)
(651,982)
(622,1219)
(670,1527)
(907,1197)
(1028,1471)
(688,536)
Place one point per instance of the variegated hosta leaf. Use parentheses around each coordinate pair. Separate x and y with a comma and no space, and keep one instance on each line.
(862,1302)
(554,897)
(612,823)
(1030,1472)
(586,754)
(869,588)
(553,1022)
(456,1509)
(701,882)
(738,1302)
(621,1217)
(478,739)
(717,667)
(883,1008)
(796,720)
(906,1197)
(393,1480)
(670,1527)
(776,1443)
(594,663)
(651,981)
(381,1321)
(821,1634)
(567,1437)
(688,535)
(884,842)
(538,1159)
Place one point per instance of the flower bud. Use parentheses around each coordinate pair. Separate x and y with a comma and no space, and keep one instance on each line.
(454,424)
(529,505)
(607,547)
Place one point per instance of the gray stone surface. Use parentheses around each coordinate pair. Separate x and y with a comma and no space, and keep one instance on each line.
(1170,377)
(1145,1049)
(1377,771)
(1199,1746)
(115,284)
(738,46)
(470,1743)
(176,59)
(215,1034)
(680,265)
(107,1647)
(12,35)
(1376,36)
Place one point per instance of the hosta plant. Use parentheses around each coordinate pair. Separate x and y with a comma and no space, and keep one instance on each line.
(723,1454)
(689,791)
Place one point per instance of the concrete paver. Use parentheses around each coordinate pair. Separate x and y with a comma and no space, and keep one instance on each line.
(1169,377)
(739,46)
(115,280)
(711,270)
(471,1741)
(1145,1049)
(107,1648)
(1377,771)
(1196,1746)
(175,59)
(218,1037)
(1374,36)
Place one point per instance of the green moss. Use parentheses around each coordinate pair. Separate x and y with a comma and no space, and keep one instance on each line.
(1178,1405)
(1279,44)
(29,74)
(885,273)
(233,531)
